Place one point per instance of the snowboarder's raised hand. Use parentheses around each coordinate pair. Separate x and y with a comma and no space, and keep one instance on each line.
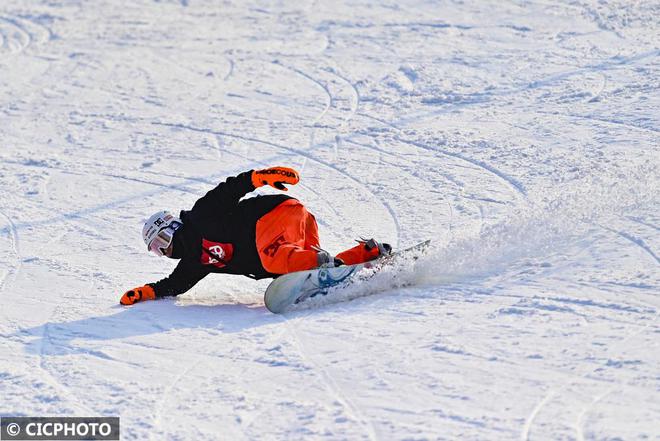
(276,177)
(140,294)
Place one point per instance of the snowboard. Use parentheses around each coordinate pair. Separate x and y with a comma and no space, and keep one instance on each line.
(294,288)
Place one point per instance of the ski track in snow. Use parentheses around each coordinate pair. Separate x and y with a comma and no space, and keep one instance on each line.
(515,185)
(11,274)
(18,34)
(167,394)
(578,426)
(638,242)
(332,385)
(53,380)
(13,237)
(521,137)
(48,376)
(603,121)
(326,91)
(17,38)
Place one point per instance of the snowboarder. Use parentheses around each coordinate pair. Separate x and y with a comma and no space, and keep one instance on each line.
(258,237)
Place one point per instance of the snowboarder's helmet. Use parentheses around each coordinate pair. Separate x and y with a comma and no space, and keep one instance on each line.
(158,231)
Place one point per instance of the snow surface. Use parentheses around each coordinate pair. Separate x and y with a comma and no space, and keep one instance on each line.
(521,136)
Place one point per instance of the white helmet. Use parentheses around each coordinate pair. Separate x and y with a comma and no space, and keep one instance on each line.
(161,226)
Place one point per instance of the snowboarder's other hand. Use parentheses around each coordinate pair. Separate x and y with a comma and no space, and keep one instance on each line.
(138,295)
(276,177)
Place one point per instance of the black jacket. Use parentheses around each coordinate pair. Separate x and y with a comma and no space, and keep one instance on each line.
(219,236)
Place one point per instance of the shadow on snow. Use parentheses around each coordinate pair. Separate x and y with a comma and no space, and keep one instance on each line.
(141,320)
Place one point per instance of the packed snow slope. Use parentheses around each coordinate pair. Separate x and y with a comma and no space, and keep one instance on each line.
(521,136)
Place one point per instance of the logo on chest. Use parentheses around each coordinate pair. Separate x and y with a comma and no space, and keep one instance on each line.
(216,253)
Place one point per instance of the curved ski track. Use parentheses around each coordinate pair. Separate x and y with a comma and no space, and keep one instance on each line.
(15,38)
(18,34)
(13,237)
(580,375)
(45,336)
(638,242)
(166,394)
(339,394)
(518,189)
(329,100)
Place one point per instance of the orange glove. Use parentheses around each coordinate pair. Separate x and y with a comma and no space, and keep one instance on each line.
(276,177)
(140,294)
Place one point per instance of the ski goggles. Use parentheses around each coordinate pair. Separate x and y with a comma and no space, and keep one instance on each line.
(163,239)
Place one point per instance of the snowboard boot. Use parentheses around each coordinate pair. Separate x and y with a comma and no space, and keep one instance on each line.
(364,251)
(384,249)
